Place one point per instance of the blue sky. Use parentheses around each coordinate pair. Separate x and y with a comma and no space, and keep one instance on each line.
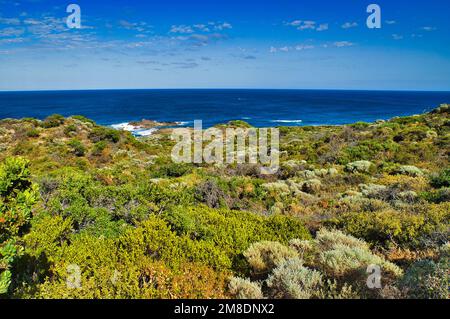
(292,44)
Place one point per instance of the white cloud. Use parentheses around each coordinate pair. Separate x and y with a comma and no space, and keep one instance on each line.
(302,47)
(349,25)
(322,27)
(429,29)
(299,47)
(188,29)
(223,26)
(307,25)
(397,37)
(390,22)
(343,44)
(135,26)
(11,32)
(9,21)
(181,29)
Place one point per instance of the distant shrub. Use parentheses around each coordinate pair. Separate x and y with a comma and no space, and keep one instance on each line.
(292,280)
(264,256)
(409,170)
(312,186)
(437,196)
(344,260)
(54,120)
(359,125)
(211,194)
(70,129)
(77,147)
(172,170)
(33,133)
(101,133)
(441,180)
(359,167)
(328,238)
(99,147)
(406,229)
(83,119)
(245,289)
(426,279)
(443,108)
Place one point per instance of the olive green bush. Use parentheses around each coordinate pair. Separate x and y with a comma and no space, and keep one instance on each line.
(17,197)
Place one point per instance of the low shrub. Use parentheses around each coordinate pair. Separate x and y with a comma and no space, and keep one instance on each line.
(426,279)
(244,289)
(264,256)
(101,133)
(33,133)
(441,180)
(54,120)
(77,147)
(292,280)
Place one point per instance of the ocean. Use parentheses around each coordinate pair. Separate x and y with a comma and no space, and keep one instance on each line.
(261,108)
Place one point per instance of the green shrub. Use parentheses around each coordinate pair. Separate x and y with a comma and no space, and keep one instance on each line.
(441,180)
(385,227)
(72,128)
(426,279)
(264,256)
(77,147)
(54,120)
(359,167)
(17,198)
(101,133)
(33,133)
(245,289)
(292,280)
(83,119)
(99,147)
(172,170)
(409,170)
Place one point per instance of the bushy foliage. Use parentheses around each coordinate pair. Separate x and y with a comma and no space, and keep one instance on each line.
(244,289)
(54,120)
(442,179)
(426,279)
(77,147)
(139,226)
(291,280)
(264,256)
(359,167)
(104,134)
(385,227)
(17,198)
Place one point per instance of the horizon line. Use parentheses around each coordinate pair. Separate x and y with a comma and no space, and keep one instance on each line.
(223,89)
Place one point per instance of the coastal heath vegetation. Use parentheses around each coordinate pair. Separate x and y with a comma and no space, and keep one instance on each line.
(78,196)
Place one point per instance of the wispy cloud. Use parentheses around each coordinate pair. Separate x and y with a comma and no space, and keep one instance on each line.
(11,32)
(428,28)
(134,26)
(200,27)
(397,36)
(9,21)
(307,25)
(298,47)
(343,44)
(185,65)
(349,25)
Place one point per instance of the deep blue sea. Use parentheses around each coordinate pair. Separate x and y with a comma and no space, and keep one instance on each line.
(258,107)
